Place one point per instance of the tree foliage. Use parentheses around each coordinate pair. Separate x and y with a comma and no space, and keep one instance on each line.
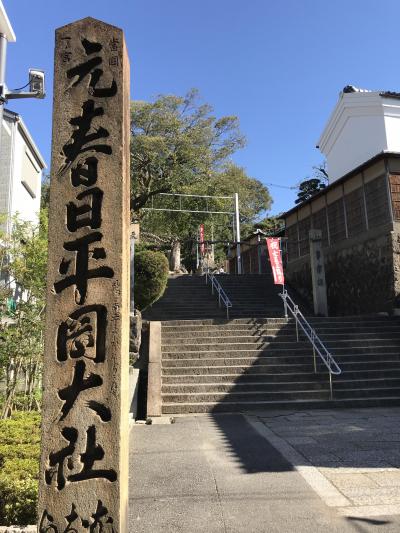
(151,275)
(311,186)
(19,468)
(308,189)
(179,146)
(23,257)
(175,142)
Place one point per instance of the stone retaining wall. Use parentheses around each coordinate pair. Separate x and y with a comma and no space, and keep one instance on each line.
(361,274)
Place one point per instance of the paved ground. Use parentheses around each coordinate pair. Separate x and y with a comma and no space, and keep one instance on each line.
(356,450)
(213,474)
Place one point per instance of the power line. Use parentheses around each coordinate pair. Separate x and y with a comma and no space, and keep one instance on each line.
(284,186)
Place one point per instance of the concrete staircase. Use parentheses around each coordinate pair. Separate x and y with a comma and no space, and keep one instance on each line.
(252,295)
(186,298)
(248,364)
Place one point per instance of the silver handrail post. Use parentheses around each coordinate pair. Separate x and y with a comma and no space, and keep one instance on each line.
(222,297)
(318,346)
(314,354)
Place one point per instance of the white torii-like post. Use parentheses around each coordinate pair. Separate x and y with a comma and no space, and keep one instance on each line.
(237,223)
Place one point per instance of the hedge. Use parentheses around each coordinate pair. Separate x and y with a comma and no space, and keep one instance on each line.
(19,468)
(151,276)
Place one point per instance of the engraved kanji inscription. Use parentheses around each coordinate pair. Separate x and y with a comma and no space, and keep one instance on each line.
(99,521)
(62,461)
(81,139)
(83,334)
(85,173)
(57,459)
(93,453)
(79,384)
(82,273)
(87,213)
(90,68)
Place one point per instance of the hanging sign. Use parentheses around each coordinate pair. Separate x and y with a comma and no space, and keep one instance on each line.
(202,247)
(275,257)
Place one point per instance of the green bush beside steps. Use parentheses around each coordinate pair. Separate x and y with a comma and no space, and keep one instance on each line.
(151,276)
(19,468)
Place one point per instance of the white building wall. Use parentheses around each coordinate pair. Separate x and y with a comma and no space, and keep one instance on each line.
(21,167)
(23,202)
(362,125)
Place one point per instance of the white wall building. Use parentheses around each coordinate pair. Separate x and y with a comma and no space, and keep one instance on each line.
(362,125)
(21,167)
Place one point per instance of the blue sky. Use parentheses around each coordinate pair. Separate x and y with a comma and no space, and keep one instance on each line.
(277,65)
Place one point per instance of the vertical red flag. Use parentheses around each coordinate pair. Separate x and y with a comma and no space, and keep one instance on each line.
(202,248)
(275,257)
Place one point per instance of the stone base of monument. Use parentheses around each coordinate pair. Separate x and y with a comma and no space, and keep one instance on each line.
(18,529)
(133,392)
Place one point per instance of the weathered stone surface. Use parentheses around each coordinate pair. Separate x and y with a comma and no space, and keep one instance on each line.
(318,273)
(84,463)
(359,275)
(17,529)
(135,335)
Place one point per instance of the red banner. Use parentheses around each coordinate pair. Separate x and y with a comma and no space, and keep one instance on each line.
(202,247)
(275,257)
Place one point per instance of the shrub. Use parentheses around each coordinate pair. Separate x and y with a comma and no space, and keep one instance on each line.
(151,275)
(19,468)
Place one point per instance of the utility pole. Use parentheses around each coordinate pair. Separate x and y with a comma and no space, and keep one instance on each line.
(6,34)
(237,223)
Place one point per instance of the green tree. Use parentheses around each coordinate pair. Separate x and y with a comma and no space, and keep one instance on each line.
(179,146)
(311,186)
(24,263)
(308,189)
(269,225)
(175,142)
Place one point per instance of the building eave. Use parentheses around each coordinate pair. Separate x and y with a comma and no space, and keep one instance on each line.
(357,170)
(5,25)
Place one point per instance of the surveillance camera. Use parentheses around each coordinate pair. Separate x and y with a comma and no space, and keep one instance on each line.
(36,82)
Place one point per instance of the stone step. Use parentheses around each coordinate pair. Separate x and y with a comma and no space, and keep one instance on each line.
(246,396)
(289,337)
(250,363)
(227,378)
(275,348)
(231,407)
(259,365)
(234,344)
(261,387)
(232,368)
(318,323)
(225,352)
(281,329)
(284,358)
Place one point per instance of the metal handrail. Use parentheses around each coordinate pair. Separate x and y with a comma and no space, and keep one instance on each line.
(222,296)
(318,346)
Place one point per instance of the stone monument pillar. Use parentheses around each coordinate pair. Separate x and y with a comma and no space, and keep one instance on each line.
(318,273)
(84,456)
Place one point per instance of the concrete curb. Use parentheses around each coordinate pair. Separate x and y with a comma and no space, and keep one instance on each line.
(154,372)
